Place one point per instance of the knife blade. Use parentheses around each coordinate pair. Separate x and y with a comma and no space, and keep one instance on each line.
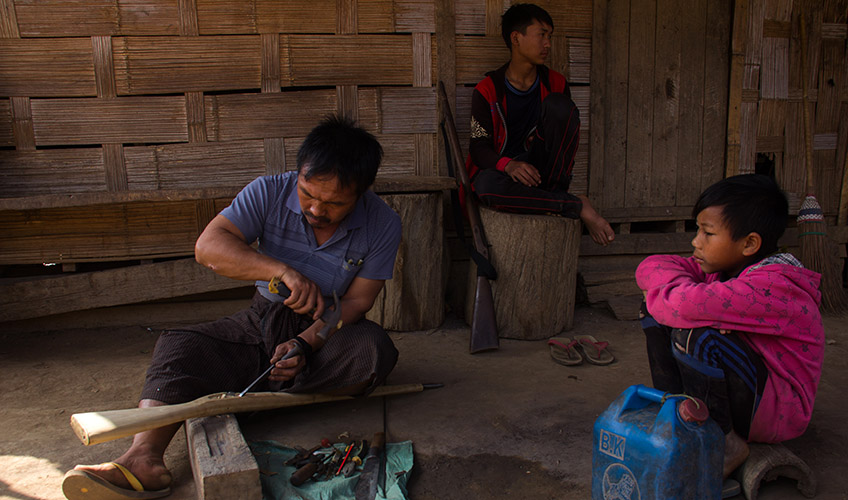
(366,487)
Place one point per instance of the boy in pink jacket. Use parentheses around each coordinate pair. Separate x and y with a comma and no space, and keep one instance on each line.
(737,324)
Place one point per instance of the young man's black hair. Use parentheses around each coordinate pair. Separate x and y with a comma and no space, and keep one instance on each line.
(751,203)
(337,147)
(519,17)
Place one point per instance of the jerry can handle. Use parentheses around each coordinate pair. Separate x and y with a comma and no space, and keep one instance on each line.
(639,396)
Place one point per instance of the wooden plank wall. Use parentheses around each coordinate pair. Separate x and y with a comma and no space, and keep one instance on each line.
(658,106)
(769,107)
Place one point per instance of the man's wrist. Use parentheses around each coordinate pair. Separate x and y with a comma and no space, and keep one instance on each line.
(305,348)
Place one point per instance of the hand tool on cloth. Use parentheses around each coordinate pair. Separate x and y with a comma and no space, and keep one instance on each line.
(366,487)
(332,318)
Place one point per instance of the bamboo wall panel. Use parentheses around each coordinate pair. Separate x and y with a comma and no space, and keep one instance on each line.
(166,65)
(191,166)
(251,116)
(51,171)
(69,18)
(771,113)
(47,68)
(99,232)
(355,60)
(110,107)
(266,16)
(97,121)
(7,136)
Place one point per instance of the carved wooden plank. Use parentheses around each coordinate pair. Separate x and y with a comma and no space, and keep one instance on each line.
(47,68)
(54,295)
(158,65)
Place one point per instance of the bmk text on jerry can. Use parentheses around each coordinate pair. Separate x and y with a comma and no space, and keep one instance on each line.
(650,445)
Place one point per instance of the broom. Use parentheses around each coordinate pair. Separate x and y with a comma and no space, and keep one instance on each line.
(817,251)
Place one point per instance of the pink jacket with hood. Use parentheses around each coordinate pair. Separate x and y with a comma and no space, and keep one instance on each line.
(772,305)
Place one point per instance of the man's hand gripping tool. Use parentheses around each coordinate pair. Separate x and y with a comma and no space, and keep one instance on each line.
(331,317)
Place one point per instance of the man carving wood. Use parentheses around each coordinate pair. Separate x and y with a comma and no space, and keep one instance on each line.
(319,230)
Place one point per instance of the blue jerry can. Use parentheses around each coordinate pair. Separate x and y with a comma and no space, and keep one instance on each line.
(653,446)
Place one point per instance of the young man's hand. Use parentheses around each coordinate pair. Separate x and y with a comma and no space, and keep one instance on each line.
(523,172)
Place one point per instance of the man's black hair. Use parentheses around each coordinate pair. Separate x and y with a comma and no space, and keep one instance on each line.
(339,148)
(519,17)
(750,203)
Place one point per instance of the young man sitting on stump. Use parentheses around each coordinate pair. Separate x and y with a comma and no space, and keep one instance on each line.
(320,231)
(525,129)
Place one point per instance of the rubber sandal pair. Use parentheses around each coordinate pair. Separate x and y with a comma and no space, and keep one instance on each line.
(573,351)
(84,485)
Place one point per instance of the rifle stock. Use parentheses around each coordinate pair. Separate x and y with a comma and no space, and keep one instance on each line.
(484,330)
(102,426)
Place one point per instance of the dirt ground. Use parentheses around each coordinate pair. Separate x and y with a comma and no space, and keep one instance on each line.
(506,424)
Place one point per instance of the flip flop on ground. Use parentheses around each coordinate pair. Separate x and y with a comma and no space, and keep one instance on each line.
(84,485)
(564,351)
(594,351)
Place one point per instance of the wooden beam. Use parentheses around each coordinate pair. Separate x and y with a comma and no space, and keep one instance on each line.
(54,295)
(221,462)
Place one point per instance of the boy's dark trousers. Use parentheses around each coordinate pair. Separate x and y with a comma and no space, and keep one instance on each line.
(552,152)
(719,369)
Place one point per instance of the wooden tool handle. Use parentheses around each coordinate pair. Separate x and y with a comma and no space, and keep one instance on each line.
(99,427)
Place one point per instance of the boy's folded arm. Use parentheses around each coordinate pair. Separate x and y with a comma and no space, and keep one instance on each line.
(659,270)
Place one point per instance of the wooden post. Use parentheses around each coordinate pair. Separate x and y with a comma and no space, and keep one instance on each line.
(414,298)
(536,260)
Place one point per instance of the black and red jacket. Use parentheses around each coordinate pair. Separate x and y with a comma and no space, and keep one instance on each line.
(488,116)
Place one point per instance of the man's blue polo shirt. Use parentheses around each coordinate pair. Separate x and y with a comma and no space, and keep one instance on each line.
(365,243)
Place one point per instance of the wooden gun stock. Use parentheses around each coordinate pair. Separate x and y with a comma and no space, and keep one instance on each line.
(101,426)
(484,330)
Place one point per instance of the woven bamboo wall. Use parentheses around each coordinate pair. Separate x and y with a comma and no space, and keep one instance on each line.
(125,126)
(766,123)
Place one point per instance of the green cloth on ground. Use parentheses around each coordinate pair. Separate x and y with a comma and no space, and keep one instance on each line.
(275,476)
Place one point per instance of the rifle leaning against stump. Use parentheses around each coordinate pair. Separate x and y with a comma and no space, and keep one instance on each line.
(484,329)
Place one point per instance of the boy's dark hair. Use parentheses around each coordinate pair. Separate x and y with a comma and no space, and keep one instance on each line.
(339,148)
(750,203)
(519,17)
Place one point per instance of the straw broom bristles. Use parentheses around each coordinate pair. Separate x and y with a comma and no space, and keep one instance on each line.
(817,251)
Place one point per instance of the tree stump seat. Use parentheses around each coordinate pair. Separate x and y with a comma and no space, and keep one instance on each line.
(536,260)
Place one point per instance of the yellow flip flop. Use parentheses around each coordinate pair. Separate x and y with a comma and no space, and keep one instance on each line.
(85,485)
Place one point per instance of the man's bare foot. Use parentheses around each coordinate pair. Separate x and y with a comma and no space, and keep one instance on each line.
(599,229)
(735,453)
(151,472)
